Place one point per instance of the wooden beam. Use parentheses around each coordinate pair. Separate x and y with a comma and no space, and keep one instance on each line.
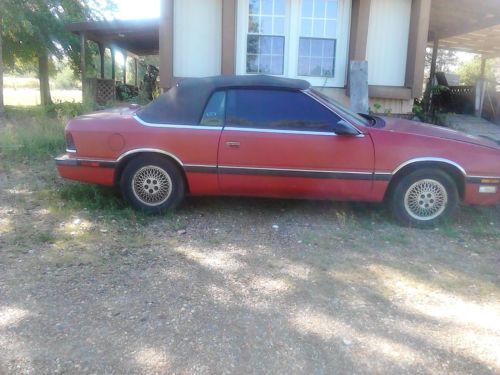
(435,49)
(136,72)
(113,63)
(82,62)
(124,68)
(102,50)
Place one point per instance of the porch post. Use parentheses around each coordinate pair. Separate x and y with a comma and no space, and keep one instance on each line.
(113,63)
(136,73)
(434,61)
(124,68)
(481,89)
(101,55)
(82,62)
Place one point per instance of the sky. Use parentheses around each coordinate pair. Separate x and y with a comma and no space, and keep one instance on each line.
(137,9)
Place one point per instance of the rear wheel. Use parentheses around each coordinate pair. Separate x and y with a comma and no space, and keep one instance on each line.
(152,184)
(424,198)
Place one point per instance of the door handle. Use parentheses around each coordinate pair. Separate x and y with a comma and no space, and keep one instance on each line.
(232,144)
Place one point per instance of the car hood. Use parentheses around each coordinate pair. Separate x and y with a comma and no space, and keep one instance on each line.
(427,130)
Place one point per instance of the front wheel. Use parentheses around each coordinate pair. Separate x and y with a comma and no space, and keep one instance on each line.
(424,198)
(152,184)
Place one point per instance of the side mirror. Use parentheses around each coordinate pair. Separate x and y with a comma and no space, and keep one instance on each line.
(344,128)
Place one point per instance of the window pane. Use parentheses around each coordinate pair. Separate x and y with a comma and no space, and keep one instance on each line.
(319,59)
(252,64)
(307,8)
(253,25)
(279,26)
(278,46)
(281,110)
(214,112)
(265,44)
(331,9)
(331,29)
(267,7)
(319,8)
(266,25)
(318,28)
(279,7)
(261,50)
(306,28)
(254,7)
(253,44)
(277,65)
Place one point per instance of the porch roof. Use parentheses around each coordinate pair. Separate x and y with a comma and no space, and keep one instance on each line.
(465,25)
(140,37)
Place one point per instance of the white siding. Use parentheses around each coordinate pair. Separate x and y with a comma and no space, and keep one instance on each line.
(197,38)
(387,47)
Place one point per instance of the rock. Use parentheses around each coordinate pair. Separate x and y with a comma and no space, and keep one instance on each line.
(104,231)
(276,227)
(347,342)
(181,232)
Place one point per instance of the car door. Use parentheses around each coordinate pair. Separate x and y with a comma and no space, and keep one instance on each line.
(282,143)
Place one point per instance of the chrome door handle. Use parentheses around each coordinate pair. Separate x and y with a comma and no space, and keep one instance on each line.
(233,144)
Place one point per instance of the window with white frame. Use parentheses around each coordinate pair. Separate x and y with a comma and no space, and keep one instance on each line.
(317,42)
(266,37)
(306,39)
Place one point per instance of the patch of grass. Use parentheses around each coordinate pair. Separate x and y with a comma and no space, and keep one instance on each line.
(30,135)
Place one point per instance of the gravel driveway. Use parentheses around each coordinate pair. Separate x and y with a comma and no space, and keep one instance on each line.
(240,286)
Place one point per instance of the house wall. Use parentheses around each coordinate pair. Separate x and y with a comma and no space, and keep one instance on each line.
(197,38)
(210,37)
(387,45)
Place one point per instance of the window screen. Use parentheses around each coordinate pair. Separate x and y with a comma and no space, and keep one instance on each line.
(279,110)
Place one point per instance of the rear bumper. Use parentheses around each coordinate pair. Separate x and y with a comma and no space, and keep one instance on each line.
(100,172)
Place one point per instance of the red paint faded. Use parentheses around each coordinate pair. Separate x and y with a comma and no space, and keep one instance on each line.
(107,136)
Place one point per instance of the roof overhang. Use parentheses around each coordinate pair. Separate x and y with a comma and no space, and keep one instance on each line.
(139,37)
(466,25)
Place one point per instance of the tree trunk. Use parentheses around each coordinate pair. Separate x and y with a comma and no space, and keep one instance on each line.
(2,108)
(43,74)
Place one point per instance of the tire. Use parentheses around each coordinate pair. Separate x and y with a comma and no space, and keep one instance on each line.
(152,184)
(424,198)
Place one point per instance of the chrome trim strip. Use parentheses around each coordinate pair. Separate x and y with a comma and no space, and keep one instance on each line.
(293,170)
(154,150)
(77,162)
(276,131)
(424,159)
(301,173)
(71,151)
(174,126)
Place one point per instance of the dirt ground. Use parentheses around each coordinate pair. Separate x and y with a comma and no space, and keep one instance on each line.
(228,285)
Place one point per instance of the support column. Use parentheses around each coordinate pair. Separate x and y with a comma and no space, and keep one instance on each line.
(101,55)
(228,37)
(167,44)
(82,62)
(481,89)
(136,72)
(359,86)
(417,44)
(435,49)
(360,16)
(113,63)
(124,68)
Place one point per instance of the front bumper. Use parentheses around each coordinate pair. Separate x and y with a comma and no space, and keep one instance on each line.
(92,171)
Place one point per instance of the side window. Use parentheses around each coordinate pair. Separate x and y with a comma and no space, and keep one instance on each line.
(279,110)
(215,110)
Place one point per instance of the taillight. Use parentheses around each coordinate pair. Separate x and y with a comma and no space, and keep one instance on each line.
(70,143)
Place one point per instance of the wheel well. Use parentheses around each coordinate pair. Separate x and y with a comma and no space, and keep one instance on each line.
(123,163)
(449,169)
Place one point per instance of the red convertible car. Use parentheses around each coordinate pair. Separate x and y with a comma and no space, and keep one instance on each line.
(275,137)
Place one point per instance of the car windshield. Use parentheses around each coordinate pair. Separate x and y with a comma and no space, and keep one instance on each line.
(341,110)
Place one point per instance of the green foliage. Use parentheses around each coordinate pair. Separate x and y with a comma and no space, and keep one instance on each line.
(469,72)
(65,79)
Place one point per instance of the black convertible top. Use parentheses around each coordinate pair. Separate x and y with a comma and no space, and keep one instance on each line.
(184,103)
